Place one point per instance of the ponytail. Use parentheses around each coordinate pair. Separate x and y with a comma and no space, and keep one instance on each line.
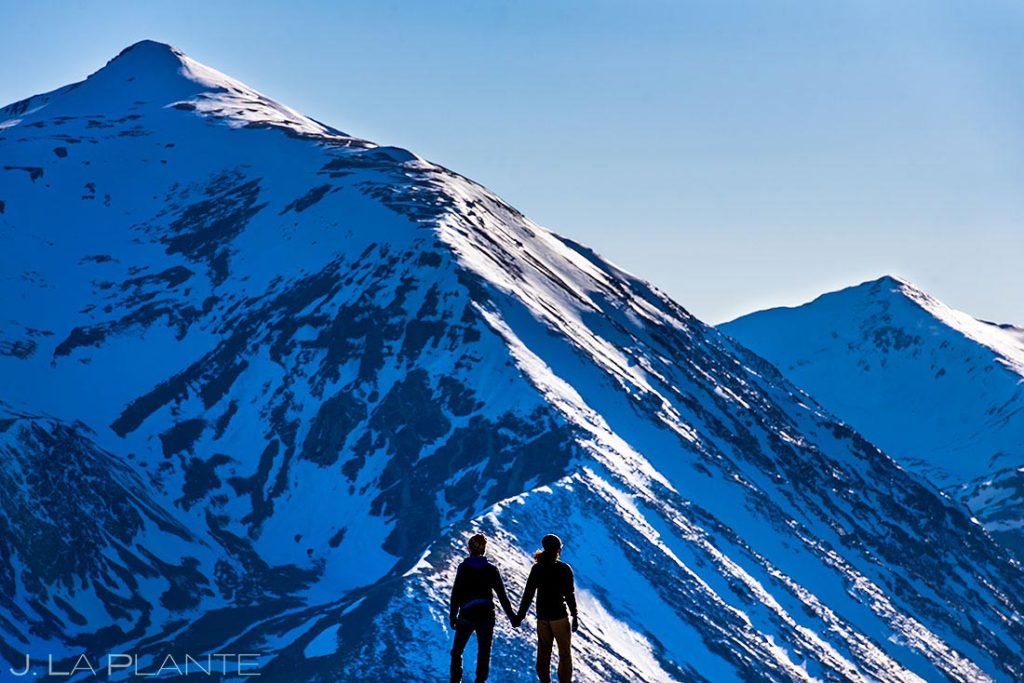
(552,548)
(544,555)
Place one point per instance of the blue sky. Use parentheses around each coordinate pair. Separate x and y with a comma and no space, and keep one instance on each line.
(737,154)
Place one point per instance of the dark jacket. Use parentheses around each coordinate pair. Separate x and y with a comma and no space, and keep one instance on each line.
(475,580)
(555,589)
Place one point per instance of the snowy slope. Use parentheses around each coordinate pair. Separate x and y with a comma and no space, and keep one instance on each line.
(939,390)
(329,361)
(74,525)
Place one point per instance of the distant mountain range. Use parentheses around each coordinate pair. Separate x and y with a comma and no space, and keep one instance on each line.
(940,391)
(262,378)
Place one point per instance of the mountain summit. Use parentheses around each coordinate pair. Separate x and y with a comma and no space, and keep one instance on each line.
(149,76)
(936,388)
(262,380)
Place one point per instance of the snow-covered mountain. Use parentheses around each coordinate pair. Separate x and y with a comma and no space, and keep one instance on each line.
(292,370)
(940,391)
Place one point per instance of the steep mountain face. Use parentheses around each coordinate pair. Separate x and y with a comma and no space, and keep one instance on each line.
(937,389)
(305,366)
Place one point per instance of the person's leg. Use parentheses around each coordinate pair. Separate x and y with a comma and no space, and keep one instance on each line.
(544,641)
(563,637)
(484,637)
(463,630)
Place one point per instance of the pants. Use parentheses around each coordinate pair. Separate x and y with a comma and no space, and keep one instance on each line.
(480,621)
(559,632)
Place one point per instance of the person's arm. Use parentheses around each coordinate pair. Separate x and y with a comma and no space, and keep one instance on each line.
(456,599)
(569,592)
(499,587)
(531,588)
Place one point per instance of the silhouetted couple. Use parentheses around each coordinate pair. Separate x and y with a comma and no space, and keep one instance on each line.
(472,608)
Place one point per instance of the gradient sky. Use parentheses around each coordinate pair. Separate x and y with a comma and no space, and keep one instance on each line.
(737,154)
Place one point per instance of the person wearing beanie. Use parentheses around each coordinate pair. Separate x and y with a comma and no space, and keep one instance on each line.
(471,609)
(552,582)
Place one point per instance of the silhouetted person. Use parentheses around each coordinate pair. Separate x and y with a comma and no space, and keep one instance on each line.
(472,608)
(552,581)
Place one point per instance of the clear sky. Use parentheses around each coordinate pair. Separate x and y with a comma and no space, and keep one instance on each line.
(737,154)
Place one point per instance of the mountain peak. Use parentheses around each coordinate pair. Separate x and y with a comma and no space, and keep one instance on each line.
(929,384)
(896,280)
(869,293)
(154,76)
(145,61)
(877,307)
(147,54)
(147,70)
(158,71)
(889,284)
